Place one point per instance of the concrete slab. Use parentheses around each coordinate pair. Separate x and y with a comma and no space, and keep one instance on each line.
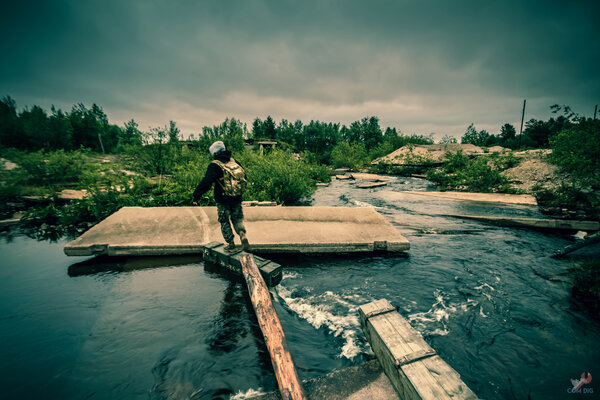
(370,185)
(183,230)
(366,381)
(482,197)
(371,177)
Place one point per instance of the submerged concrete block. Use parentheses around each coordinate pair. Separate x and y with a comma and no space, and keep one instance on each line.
(214,252)
(184,230)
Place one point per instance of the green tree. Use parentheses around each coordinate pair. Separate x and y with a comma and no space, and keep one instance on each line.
(130,135)
(35,129)
(577,150)
(88,125)
(508,132)
(60,131)
(9,130)
(173,132)
(258,130)
(154,156)
(390,133)
(447,139)
(230,131)
(288,132)
(319,138)
(478,138)
(269,131)
(366,131)
(372,132)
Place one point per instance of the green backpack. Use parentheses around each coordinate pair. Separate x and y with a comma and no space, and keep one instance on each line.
(234,178)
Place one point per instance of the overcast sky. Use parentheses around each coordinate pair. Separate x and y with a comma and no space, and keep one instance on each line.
(420,66)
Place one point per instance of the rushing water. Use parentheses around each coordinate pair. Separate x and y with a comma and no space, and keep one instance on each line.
(489,299)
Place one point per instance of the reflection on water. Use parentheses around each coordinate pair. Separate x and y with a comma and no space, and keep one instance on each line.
(489,299)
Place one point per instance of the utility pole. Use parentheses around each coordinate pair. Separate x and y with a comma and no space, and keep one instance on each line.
(595,110)
(522,118)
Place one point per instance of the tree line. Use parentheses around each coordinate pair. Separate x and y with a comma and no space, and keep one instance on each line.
(537,133)
(33,129)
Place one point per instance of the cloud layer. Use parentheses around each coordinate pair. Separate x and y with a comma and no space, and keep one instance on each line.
(432,66)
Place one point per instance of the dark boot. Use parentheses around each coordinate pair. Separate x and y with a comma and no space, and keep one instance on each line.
(230,247)
(245,243)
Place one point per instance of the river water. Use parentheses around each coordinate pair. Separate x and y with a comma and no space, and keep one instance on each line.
(489,299)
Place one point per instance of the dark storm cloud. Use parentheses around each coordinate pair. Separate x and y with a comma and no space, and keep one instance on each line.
(422,65)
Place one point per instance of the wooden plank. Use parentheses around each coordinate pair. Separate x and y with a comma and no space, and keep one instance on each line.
(290,386)
(413,367)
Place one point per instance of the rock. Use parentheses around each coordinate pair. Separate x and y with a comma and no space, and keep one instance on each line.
(69,194)
(432,153)
(128,173)
(532,172)
(8,165)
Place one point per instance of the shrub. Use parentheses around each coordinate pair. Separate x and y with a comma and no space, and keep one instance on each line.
(278,176)
(579,203)
(478,175)
(58,167)
(577,150)
(350,155)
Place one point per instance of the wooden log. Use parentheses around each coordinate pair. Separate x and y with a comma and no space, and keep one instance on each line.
(290,386)
(413,367)
(592,239)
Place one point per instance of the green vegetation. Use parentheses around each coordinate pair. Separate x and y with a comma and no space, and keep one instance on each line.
(350,155)
(481,174)
(120,166)
(163,172)
(537,133)
(576,150)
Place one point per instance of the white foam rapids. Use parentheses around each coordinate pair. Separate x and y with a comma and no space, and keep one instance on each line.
(334,312)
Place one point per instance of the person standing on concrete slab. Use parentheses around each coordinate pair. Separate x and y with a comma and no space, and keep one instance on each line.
(230,182)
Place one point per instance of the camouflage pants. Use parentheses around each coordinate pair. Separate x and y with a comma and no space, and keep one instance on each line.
(234,213)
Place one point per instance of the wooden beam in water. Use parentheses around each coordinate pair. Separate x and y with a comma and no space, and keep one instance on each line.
(413,367)
(290,386)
